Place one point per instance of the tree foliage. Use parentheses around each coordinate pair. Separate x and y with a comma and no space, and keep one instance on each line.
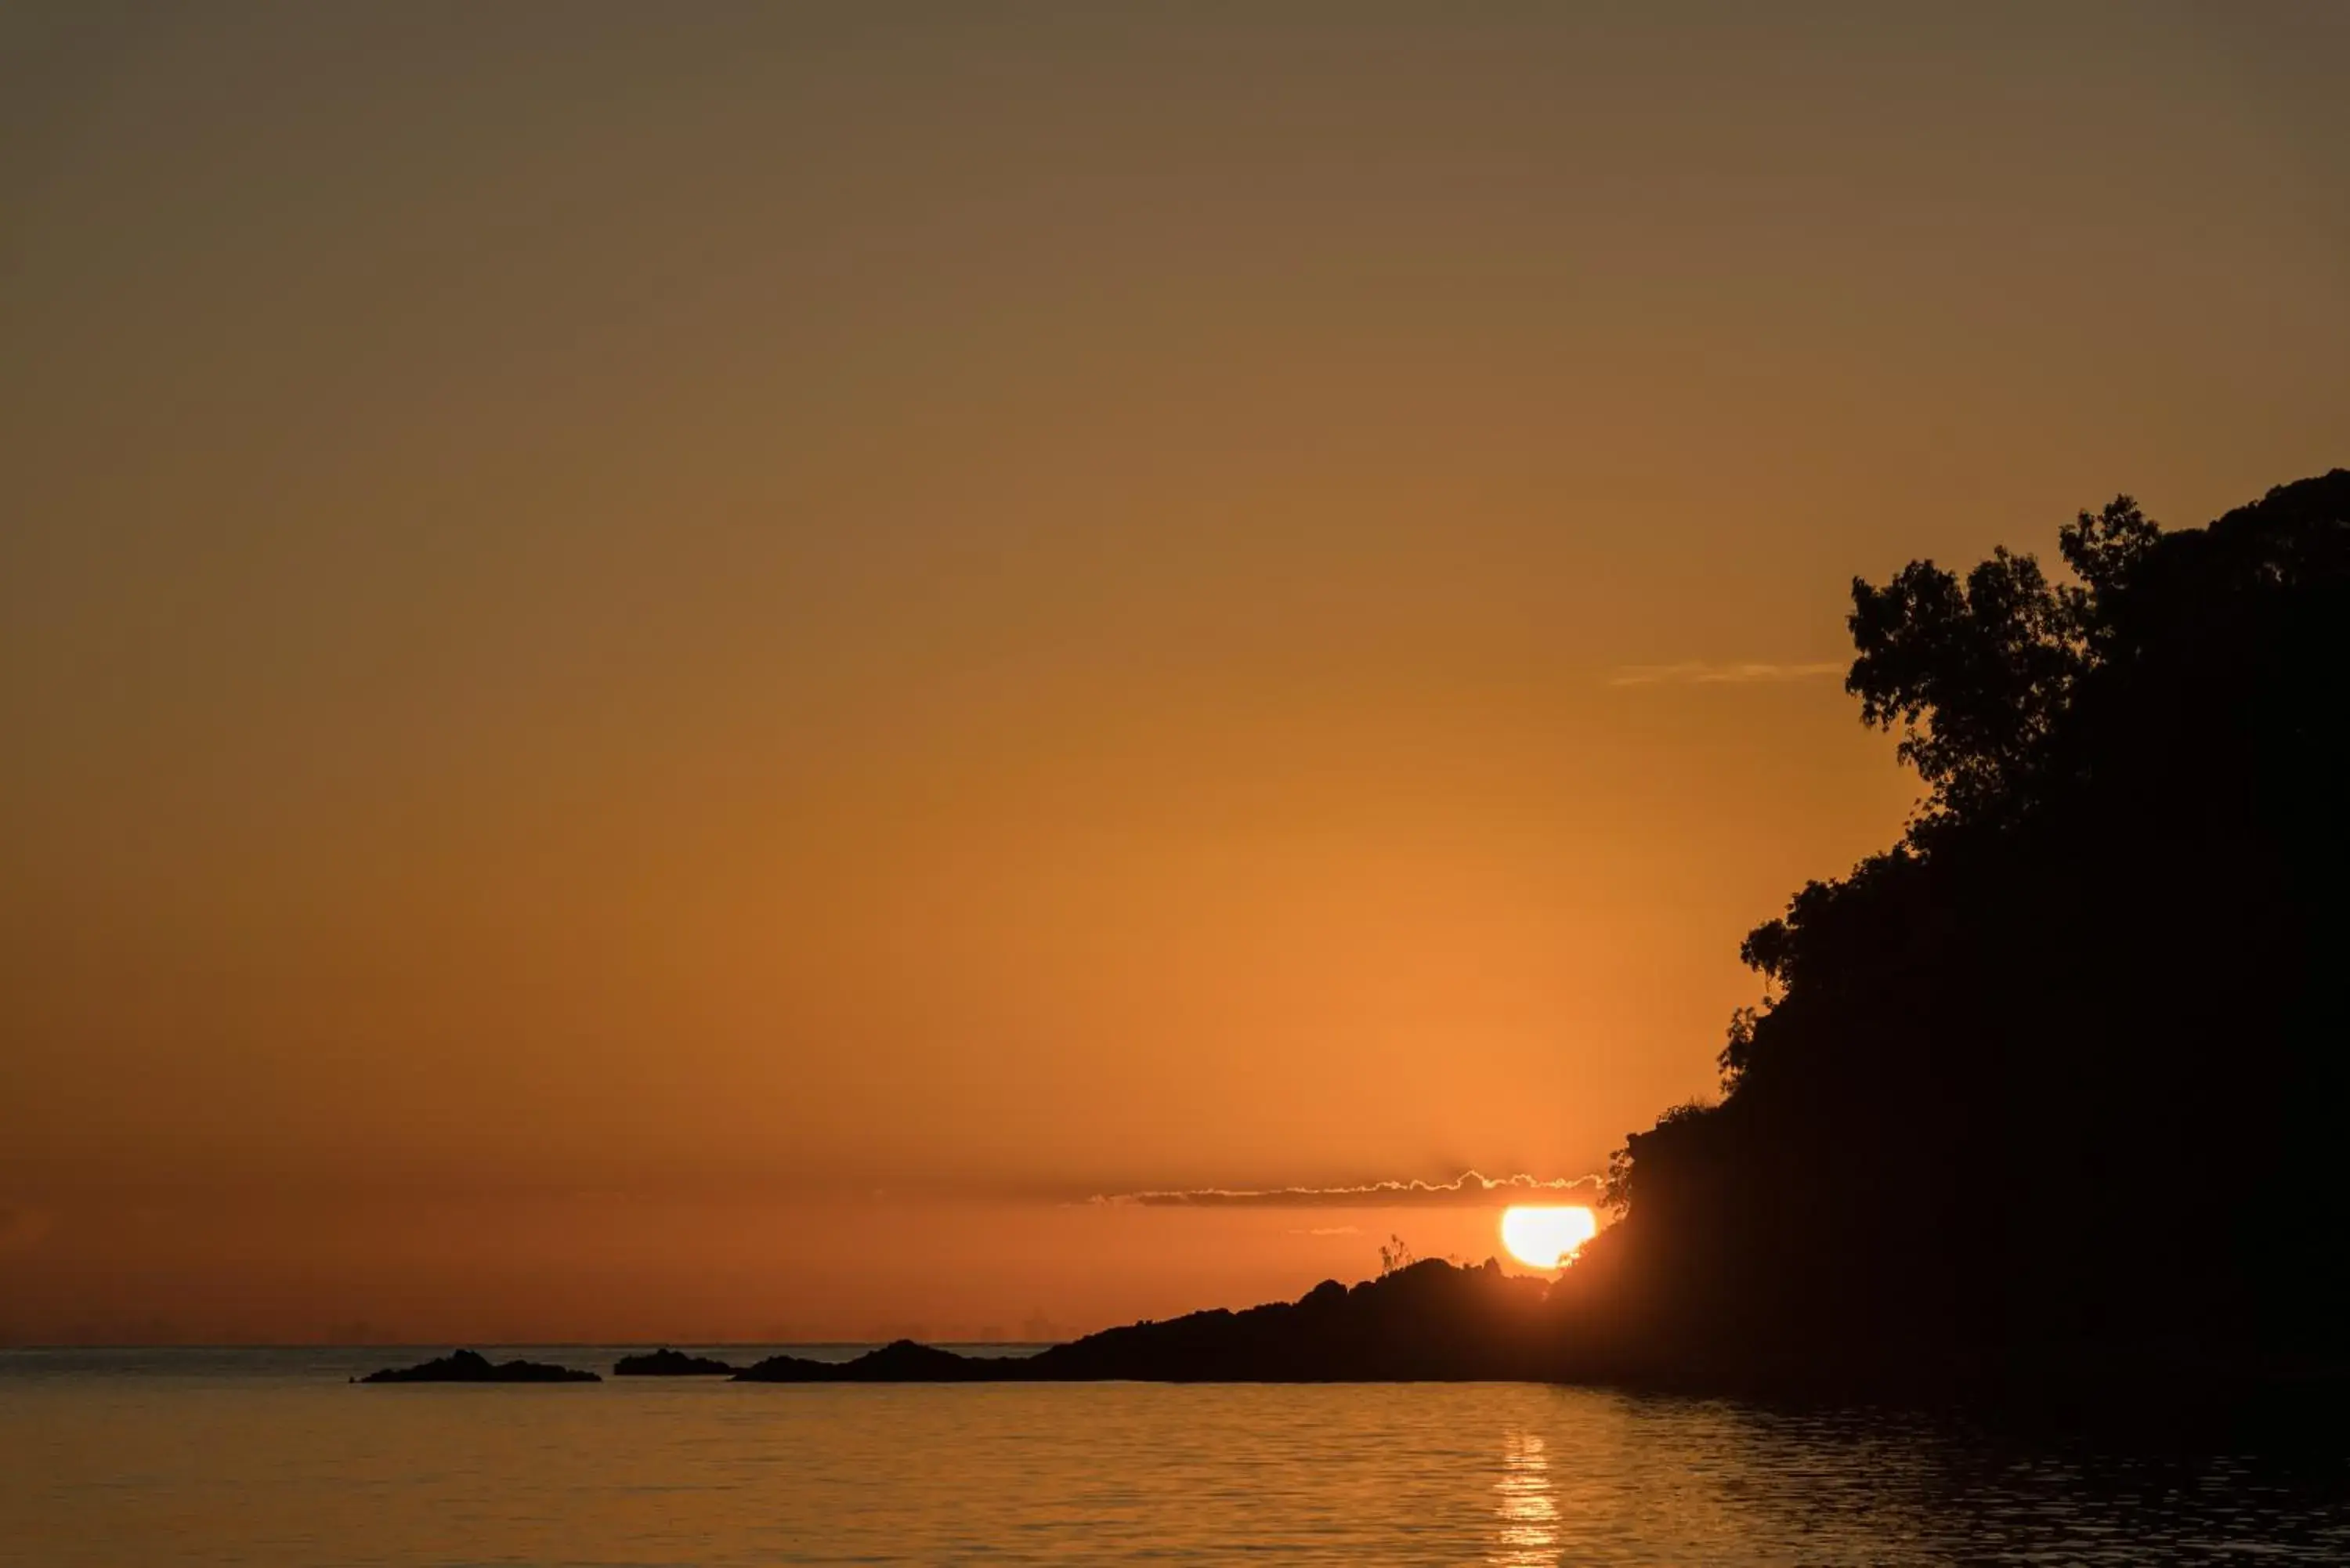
(2065,1060)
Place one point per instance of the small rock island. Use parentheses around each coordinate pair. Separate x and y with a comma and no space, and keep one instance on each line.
(472,1367)
(900,1361)
(668,1363)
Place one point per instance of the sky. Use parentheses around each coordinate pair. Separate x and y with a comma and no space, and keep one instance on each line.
(731,672)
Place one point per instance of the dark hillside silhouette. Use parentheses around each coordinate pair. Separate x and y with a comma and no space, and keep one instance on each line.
(1428,1320)
(2067,1065)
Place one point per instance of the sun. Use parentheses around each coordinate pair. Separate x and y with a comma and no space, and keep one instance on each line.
(1544,1236)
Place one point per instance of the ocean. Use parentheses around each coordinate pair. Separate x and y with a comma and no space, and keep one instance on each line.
(144,1458)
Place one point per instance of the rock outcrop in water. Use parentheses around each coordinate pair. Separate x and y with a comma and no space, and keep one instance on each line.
(1429,1323)
(472,1367)
(668,1363)
(901,1361)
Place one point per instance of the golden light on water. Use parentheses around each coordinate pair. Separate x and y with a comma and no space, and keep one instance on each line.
(1527,1534)
(1545,1236)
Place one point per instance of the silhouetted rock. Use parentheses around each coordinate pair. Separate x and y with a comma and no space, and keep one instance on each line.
(471,1366)
(1429,1322)
(790,1369)
(667,1363)
(901,1361)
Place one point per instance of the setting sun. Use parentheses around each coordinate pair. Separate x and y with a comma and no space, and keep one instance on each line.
(1546,1237)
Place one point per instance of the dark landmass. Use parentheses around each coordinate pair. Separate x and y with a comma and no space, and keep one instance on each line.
(2040,1105)
(1435,1321)
(2053,1085)
(667,1363)
(1430,1322)
(471,1366)
(2042,1102)
(901,1361)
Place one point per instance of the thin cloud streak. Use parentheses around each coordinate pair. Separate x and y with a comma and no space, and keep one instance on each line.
(1467,1190)
(1700,673)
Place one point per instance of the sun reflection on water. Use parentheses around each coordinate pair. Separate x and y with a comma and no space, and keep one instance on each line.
(1527,1534)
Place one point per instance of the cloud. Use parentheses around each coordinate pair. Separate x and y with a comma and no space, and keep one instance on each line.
(1467,1190)
(1327,1231)
(1699,672)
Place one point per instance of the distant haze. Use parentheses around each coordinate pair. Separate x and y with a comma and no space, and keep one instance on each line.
(689,670)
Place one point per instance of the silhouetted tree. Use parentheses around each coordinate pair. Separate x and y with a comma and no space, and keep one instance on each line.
(2066,1061)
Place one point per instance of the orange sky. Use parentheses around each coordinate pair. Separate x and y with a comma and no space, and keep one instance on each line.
(688,673)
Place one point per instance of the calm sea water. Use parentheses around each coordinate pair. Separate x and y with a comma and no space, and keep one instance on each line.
(156,1458)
